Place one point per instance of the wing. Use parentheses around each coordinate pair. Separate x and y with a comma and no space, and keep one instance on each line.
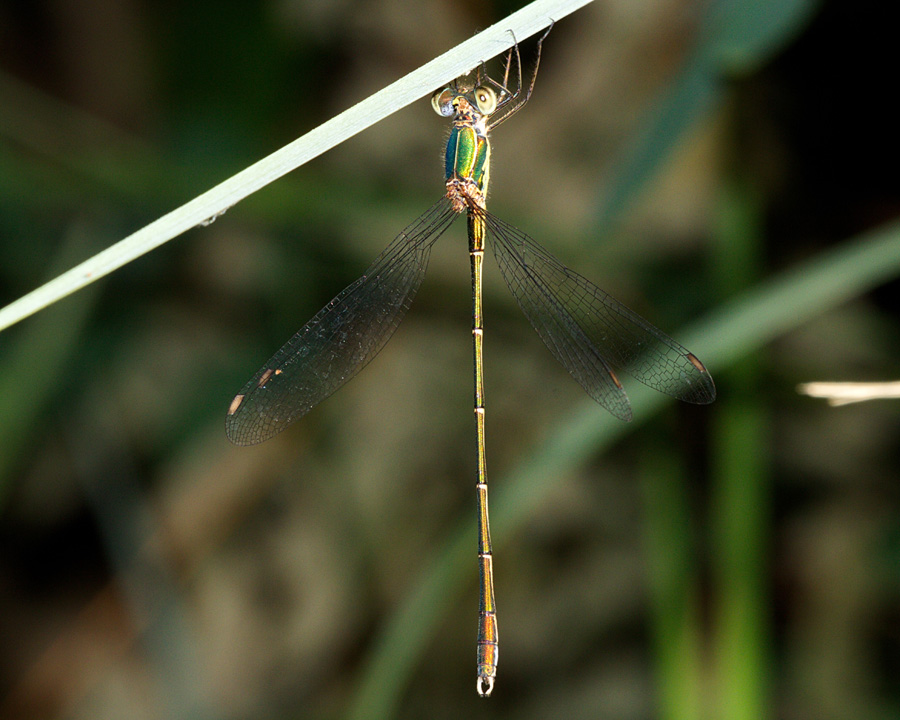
(591,333)
(341,339)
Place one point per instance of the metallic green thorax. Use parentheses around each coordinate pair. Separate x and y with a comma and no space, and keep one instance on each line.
(468,153)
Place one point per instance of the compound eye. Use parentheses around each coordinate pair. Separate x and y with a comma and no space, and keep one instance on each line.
(485,99)
(443,102)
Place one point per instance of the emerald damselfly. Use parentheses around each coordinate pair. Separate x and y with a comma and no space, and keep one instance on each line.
(590,333)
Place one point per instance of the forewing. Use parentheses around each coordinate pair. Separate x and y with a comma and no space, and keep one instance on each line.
(591,333)
(341,339)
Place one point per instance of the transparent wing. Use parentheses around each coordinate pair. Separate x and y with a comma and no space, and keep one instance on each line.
(591,333)
(341,339)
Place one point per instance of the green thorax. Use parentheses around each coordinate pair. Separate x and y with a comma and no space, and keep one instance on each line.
(468,155)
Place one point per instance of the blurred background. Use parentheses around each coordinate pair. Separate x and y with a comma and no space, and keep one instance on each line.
(727,169)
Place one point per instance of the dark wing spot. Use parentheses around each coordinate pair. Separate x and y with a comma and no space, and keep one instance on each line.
(692,359)
(235,404)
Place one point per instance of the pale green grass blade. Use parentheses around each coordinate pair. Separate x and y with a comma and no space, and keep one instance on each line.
(207,207)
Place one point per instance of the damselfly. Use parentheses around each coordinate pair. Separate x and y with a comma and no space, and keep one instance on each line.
(588,331)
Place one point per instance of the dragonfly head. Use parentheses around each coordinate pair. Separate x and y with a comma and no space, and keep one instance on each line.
(456,101)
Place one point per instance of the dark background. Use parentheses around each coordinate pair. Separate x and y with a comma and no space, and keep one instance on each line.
(739,560)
